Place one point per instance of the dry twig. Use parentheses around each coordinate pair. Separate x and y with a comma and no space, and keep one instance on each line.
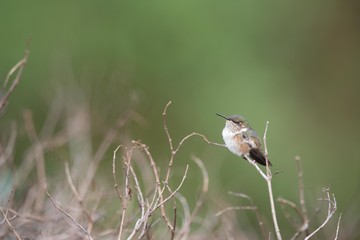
(338,227)
(19,68)
(268,178)
(331,210)
(256,211)
(68,215)
(39,157)
(12,228)
(305,218)
(284,203)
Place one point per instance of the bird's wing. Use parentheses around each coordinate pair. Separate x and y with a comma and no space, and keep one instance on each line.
(256,152)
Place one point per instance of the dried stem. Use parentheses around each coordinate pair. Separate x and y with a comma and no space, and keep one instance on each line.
(78,197)
(39,157)
(189,218)
(256,211)
(331,210)
(268,181)
(19,67)
(338,227)
(166,128)
(143,216)
(12,228)
(6,154)
(174,152)
(68,215)
(157,179)
(285,202)
(176,190)
(104,146)
(253,208)
(114,173)
(304,214)
(205,187)
(127,162)
(5,215)
(70,182)
(268,178)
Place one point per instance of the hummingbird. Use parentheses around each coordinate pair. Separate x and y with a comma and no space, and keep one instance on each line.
(242,140)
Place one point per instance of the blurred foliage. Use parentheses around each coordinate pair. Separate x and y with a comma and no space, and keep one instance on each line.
(295,64)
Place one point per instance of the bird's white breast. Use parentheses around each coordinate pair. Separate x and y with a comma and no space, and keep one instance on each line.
(230,142)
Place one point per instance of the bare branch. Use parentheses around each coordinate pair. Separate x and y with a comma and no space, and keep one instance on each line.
(143,216)
(39,157)
(78,197)
(12,228)
(19,67)
(268,181)
(189,219)
(166,128)
(284,202)
(331,210)
(304,214)
(7,153)
(157,179)
(176,190)
(68,215)
(338,227)
(235,208)
(114,173)
(127,162)
(104,146)
(70,182)
(252,162)
(268,178)
(174,223)
(256,210)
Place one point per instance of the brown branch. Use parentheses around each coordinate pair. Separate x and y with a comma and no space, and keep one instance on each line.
(174,222)
(19,67)
(304,215)
(205,186)
(71,184)
(104,146)
(235,208)
(166,128)
(15,215)
(12,228)
(184,231)
(331,210)
(189,219)
(175,191)
(114,174)
(338,227)
(268,178)
(143,216)
(256,211)
(6,153)
(284,202)
(39,158)
(157,179)
(78,197)
(127,195)
(174,151)
(268,181)
(68,215)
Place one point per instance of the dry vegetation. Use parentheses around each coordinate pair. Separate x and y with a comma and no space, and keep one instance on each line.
(142,202)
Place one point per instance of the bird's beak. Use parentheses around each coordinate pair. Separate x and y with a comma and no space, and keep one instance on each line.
(222,116)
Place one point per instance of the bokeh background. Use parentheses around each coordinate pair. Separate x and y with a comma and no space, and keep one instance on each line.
(294,64)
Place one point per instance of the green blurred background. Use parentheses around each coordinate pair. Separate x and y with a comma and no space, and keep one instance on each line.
(295,64)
